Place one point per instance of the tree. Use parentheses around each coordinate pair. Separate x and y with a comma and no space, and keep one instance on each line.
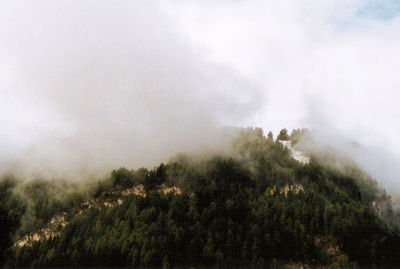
(270,136)
(123,177)
(283,135)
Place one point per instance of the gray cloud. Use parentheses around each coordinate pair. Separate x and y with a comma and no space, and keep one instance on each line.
(94,85)
(375,161)
(90,85)
(325,65)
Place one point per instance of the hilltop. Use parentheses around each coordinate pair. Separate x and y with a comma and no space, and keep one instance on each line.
(263,204)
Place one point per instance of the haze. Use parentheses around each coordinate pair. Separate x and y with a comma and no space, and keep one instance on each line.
(94,85)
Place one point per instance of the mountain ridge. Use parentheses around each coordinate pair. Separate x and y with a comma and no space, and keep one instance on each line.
(258,208)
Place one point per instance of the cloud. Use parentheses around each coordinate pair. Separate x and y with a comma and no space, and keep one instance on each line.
(99,85)
(300,48)
(328,65)
(90,86)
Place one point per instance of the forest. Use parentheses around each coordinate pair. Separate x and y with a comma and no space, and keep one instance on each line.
(254,207)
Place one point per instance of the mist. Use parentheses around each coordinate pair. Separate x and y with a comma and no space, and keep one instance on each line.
(328,66)
(91,86)
(340,152)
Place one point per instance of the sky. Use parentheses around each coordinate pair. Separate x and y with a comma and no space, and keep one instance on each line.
(340,54)
(99,84)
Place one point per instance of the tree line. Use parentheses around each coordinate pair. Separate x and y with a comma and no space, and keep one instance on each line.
(231,213)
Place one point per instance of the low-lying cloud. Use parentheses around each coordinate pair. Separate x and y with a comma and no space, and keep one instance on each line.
(323,65)
(90,86)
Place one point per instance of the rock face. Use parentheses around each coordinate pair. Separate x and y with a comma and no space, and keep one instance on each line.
(54,226)
(136,190)
(174,189)
(53,229)
(297,155)
(295,188)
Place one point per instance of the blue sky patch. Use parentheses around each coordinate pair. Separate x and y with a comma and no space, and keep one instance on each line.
(381,9)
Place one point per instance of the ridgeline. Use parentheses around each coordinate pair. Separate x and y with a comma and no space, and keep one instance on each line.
(256,207)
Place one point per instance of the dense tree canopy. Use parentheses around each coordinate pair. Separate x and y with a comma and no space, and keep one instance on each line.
(260,208)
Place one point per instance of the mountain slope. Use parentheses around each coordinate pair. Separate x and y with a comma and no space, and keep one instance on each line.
(254,207)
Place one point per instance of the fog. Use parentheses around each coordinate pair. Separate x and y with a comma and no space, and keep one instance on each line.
(88,86)
(342,152)
(91,86)
(329,66)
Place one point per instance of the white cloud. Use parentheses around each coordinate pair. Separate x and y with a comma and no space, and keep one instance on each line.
(298,48)
(89,71)
(90,86)
(323,64)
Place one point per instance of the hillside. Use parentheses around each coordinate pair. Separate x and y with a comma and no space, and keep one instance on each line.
(262,205)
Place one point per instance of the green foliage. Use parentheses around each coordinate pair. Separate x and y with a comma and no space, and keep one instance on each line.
(124,178)
(11,211)
(232,212)
(283,135)
(297,134)
(270,136)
